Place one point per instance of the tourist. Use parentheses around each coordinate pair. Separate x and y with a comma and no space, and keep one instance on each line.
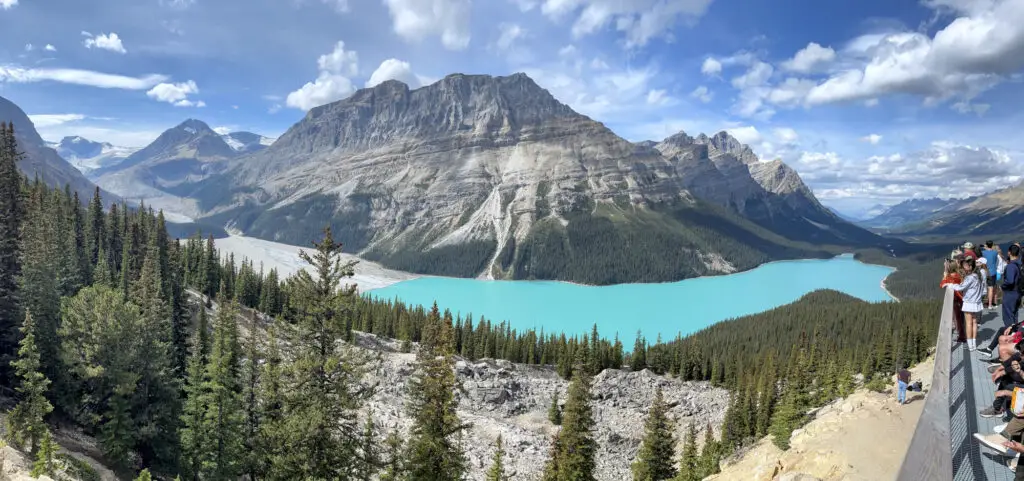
(972,289)
(950,277)
(1006,375)
(1005,441)
(991,256)
(968,249)
(1011,297)
(902,381)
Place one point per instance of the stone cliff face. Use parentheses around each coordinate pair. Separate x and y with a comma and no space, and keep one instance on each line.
(41,160)
(497,176)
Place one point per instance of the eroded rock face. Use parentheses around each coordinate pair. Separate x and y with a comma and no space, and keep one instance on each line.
(499,397)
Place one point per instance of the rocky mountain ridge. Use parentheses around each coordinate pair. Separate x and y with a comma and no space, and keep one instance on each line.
(913,211)
(493,176)
(39,159)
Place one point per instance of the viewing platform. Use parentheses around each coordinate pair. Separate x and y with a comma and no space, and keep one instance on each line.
(943,447)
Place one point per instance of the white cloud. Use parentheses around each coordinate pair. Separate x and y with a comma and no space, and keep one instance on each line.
(970,55)
(50,48)
(176,94)
(933,172)
(415,20)
(746,135)
(394,69)
(51,120)
(332,83)
(79,77)
(224,129)
(29,47)
(786,135)
(702,93)
(106,42)
(809,58)
(658,97)
(609,95)
(510,32)
(711,67)
(639,20)
(872,139)
(598,64)
(7,4)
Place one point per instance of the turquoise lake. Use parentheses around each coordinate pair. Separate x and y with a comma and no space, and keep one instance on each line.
(667,308)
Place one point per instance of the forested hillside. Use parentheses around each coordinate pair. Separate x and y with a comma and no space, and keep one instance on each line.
(98,330)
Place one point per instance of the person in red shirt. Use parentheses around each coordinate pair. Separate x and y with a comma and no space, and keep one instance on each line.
(969,252)
(951,276)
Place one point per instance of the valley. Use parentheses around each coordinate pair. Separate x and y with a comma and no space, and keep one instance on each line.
(491,177)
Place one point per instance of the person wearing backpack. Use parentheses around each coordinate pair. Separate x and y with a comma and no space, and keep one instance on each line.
(1012,287)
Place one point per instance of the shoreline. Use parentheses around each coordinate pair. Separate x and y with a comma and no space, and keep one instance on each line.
(886,288)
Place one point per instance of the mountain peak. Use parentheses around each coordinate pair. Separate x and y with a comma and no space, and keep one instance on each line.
(195,127)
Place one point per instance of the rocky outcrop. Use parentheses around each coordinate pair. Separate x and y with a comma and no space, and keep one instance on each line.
(499,397)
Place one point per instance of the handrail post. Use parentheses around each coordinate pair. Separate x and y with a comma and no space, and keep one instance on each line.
(930,455)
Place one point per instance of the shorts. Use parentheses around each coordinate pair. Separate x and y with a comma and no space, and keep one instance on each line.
(990,281)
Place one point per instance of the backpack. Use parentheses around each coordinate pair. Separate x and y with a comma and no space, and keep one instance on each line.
(1020,278)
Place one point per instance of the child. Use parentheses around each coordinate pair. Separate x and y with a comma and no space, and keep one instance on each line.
(973,288)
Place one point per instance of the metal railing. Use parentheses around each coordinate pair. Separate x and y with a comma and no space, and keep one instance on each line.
(930,456)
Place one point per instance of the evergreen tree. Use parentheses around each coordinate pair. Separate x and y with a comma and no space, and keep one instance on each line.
(574,447)
(394,466)
(655,461)
(434,451)
(325,392)
(710,455)
(144,476)
(497,470)
(25,422)
(11,216)
(46,462)
(689,465)
(554,412)
(253,462)
(638,360)
(40,291)
(271,402)
(788,415)
(368,451)
(193,433)
(225,417)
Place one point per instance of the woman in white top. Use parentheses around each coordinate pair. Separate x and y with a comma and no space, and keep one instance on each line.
(973,288)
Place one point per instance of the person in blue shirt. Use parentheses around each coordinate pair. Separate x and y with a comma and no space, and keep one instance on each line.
(991,255)
(1011,300)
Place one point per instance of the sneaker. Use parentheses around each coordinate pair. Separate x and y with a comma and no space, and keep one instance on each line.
(985,350)
(999,429)
(1013,462)
(990,412)
(992,441)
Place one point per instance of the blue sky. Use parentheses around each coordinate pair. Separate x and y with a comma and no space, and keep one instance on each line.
(871,101)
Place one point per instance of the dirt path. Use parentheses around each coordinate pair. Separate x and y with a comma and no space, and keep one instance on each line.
(861,438)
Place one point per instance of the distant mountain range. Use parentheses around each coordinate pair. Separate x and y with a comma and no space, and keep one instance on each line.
(86,155)
(996,213)
(913,212)
(42,160)
(487,176)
